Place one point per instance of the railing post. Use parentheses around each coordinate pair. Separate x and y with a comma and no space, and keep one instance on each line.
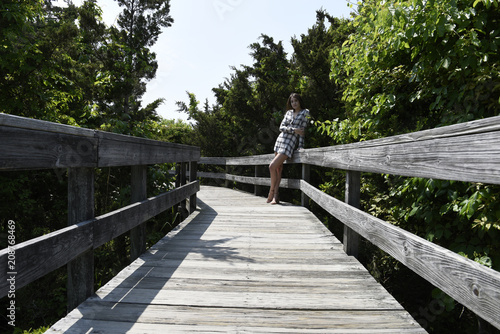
(352,197)
(138,193)
(257,189)
(80,284)
(180,180)
(228,171)
(193,171)
(306,173)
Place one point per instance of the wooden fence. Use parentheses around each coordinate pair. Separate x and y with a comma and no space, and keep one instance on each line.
(27,144)
(464,152)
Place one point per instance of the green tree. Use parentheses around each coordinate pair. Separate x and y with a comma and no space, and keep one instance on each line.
(129,63)
(419,64)
(412,65)
(311,62)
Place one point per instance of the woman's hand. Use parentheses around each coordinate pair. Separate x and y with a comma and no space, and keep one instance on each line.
(300,131)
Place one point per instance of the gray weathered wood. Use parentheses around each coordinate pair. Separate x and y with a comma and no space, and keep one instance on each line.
(138,193)
(257,189)
(262,181)
(38,257)
(306,175)
(80,208)
(34,149)
(121,150)
(473,158)
(473,285)
(241,265)
(464,152)
(352,197)
(180,180)
(12,121)
(193,176)
(34,144)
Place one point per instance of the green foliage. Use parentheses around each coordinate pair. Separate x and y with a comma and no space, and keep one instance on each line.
(40,330)
(65,65)
(419,64)
(250,104)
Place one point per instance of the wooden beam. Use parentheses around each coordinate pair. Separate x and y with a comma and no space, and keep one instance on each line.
(27,149)
(352,197)
(138,193)
(37,257)
(306,175)
(258,189)
(475,286)
(193,171)
(34,144)
(80,208)
(121,150)
(463,152)
(262,181)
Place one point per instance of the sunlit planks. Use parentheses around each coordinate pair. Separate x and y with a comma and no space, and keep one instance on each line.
(240,265)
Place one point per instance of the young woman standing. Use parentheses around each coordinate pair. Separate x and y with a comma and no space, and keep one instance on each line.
(292,130)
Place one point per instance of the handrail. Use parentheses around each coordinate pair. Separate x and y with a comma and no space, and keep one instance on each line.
(28,144)
(464,152)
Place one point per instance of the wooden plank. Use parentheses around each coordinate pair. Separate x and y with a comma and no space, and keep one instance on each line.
(138,192)
(34,149)
(12,121)
(39,256)
(230,267)
(473,285)
(183,316)
(463,152)
(353,198)
(474,158)
(193,175)
(262,325)
(261,181)
(35,144)
(121,150)
(80,282)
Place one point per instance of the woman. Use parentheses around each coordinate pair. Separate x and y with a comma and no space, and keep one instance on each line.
(292,130)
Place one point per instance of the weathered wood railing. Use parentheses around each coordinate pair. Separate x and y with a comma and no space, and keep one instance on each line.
(27,144)
(464,152)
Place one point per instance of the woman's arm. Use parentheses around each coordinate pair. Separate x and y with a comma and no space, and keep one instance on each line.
(303,125)
(285,124)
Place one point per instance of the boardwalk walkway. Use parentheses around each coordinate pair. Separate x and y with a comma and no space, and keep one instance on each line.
(239,265)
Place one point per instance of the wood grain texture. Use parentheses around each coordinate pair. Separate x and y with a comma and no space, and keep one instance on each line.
(473,158)
(34,144)
(463,152)
(473,285)
(38,257)
(261,181)
(34,149)
(239,264)
(121,150)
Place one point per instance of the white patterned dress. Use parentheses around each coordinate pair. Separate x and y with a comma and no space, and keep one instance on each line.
(287,140)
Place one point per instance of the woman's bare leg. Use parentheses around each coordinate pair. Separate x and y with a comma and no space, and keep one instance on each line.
(275,169)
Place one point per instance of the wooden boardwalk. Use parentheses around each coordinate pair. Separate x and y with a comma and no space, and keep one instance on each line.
(240,265)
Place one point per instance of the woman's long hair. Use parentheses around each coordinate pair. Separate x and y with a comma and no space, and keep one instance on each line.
(289,101)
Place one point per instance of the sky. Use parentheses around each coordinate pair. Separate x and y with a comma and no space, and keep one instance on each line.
(208,37)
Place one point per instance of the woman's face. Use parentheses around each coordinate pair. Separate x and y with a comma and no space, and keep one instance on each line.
(295,103)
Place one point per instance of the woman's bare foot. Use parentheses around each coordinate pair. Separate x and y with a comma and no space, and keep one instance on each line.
(276,198)
(270,196)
